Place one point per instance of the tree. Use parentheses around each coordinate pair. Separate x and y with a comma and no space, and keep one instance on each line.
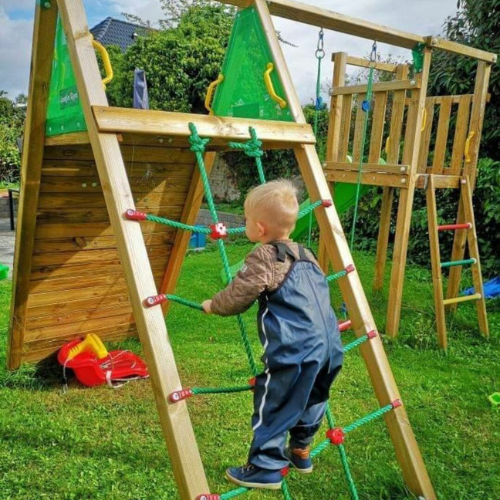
(477,24)
(11,128)
(180,63)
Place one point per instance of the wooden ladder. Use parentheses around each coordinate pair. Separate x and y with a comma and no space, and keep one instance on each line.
(437,266)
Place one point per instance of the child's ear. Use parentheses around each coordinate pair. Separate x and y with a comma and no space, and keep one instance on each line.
(262,229)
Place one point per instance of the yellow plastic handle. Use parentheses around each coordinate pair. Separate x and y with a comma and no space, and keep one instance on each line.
(270,88)
(210,92)
(424,120)
(91,343)
(468,159)
(387,142)
(106,61)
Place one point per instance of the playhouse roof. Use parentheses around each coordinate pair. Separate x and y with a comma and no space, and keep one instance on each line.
(116,32)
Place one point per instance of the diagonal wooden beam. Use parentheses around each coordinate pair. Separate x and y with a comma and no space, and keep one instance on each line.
(174,418)
(327,19)
(34,137)
(386,391)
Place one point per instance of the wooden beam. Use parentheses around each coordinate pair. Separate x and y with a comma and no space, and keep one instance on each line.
(455,99)
(382,379)
(365,63)
(392,150)
(437,280)
(477,277)
(327,19)
(378,124)
(368,178)
(174,418)
(423,155)
(457,48)
(443,130)
(367,167)
(411,150)
(123,120)
(34,136)
(461,130)
(378,87)
(440,181)
(330,20)
(336,104)
(470,169)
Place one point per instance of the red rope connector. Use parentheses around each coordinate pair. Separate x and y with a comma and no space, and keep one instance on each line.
(208,496)
(327,203)
(397,403)
(177,396)
(135,215)
(350,268)
(372,334)
(219,231)
(252,381)
(336,435)
(154,300)
(345,325)
(285,471)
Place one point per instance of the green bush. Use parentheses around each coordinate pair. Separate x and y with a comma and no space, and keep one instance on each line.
(11,128)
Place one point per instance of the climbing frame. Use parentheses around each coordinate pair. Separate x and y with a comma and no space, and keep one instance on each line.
(75,237)
(416,139)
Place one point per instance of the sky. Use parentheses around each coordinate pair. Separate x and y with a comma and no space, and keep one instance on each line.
(422,17)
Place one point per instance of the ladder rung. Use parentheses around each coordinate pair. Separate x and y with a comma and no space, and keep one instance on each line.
(458,262)
(454,227)
(465,298)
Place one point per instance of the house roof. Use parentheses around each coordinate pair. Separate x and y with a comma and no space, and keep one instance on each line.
(116,32)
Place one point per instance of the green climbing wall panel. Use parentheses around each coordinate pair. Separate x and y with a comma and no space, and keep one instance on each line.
(64,112)
(243,93)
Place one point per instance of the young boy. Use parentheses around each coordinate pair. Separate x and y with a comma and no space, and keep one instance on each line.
(298,329)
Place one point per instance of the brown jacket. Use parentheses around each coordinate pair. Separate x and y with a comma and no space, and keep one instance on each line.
(261,272)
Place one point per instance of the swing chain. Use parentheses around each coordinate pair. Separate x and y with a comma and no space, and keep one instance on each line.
(320,51)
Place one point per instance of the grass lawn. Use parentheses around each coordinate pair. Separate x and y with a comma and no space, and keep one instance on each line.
(104,444)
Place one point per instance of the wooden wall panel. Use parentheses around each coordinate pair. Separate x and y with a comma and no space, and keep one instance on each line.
(77,285)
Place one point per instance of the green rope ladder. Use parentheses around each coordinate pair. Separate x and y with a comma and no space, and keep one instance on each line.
(335,435)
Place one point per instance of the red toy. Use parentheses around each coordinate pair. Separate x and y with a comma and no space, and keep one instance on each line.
(93,365)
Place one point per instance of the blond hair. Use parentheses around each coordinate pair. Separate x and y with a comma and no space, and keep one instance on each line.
(275,203)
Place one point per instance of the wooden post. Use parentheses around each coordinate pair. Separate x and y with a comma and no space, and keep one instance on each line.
(334,132)
(406,448)
(174,418)
(466,197)
(437,281)
(34,137)
(470,169)
(410,157)
(398,108)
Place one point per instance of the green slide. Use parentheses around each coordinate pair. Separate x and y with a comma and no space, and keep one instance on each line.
(345,198)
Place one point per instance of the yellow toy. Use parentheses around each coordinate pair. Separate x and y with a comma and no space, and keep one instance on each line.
(91,343)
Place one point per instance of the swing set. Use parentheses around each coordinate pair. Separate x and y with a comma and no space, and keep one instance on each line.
(99,251)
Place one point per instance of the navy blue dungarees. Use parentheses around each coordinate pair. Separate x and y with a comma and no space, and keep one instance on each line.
(302,355)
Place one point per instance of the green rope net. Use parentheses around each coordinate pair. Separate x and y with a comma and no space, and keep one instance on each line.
(253,149)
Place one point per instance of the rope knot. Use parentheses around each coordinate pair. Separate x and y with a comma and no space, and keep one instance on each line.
(197,143)
(252,147)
